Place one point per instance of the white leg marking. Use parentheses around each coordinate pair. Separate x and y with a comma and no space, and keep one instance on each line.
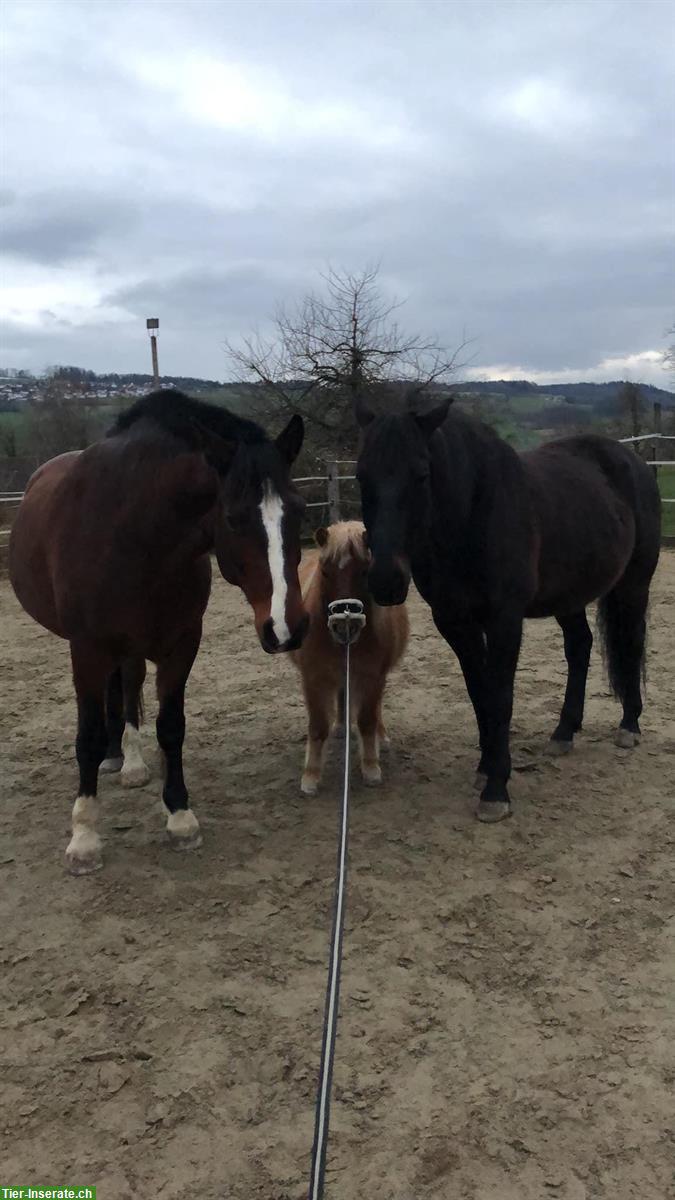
(134,772)
(83,853)
(183,829)
(272,513)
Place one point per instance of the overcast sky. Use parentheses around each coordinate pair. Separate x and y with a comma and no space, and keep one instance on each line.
(510,165)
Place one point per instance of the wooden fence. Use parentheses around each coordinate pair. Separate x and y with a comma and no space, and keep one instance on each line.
(337,502)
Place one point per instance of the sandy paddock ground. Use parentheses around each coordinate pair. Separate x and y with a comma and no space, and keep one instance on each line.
(508,1011)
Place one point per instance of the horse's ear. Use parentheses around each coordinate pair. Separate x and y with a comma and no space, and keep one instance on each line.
(321,536)
(289,441)
(363,413)
(430,420)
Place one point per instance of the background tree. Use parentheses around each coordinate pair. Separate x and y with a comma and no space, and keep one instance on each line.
(60,420)
(334,345)
(632,407)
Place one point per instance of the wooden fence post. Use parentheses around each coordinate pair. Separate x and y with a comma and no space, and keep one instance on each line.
(333,493)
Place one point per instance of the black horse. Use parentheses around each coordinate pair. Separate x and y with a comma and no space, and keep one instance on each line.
(491,536)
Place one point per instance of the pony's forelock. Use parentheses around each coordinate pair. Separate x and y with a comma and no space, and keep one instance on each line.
(345,538)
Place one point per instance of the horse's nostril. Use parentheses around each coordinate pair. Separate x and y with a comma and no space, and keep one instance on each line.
(298,636)
(268,637)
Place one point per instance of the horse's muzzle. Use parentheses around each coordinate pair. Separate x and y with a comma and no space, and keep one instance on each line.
(270,642)
(389,587)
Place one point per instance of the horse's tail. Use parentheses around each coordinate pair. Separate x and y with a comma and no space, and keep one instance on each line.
(622,629)
(622,612)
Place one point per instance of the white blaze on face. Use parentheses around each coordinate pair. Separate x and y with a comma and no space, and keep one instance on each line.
(272,513)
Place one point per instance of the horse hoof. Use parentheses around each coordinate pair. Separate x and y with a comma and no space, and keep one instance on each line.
(385,744)
(309,787)
(491,811)
(480,781)
(556,748)
(183,830)
(625,739)
(110,766)
(83,854)
(372,776)
(135,777)
(83,866)
(193,842)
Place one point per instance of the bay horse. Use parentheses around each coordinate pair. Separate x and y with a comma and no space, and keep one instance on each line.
(490,537)
(339,571)
(110,549)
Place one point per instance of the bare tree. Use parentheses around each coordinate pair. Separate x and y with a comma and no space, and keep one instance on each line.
(336,345)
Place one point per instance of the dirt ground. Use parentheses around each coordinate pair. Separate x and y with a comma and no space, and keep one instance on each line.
(508,1006)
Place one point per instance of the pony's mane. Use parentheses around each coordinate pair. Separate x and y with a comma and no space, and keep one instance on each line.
(187,418)
(345,537)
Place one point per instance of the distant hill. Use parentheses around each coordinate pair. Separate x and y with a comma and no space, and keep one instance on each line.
(601,397)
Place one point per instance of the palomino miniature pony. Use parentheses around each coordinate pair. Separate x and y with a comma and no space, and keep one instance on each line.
(490,537)
(338,572)
(110,550)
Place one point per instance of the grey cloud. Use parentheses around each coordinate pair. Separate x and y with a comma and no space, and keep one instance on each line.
(505,162)
(59,226)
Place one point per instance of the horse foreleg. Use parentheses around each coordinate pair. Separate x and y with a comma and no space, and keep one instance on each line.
(135,772)
(368,704)
(91,669)
(578,643)
(172,676)
(504,636)
(320,702)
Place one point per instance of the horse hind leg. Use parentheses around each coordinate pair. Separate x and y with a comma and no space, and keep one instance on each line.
(135,772)
(578,643)
(384,741)
(91,670)
(623,625)
(114,719)
(172,676)
(339,725)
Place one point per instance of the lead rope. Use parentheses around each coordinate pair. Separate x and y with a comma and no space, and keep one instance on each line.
(345,620)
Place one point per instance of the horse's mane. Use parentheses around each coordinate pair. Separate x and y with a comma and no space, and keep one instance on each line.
(345,537)
(188,419)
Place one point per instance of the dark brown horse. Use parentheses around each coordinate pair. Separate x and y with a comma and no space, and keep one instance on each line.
(111,549)
(491,537)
